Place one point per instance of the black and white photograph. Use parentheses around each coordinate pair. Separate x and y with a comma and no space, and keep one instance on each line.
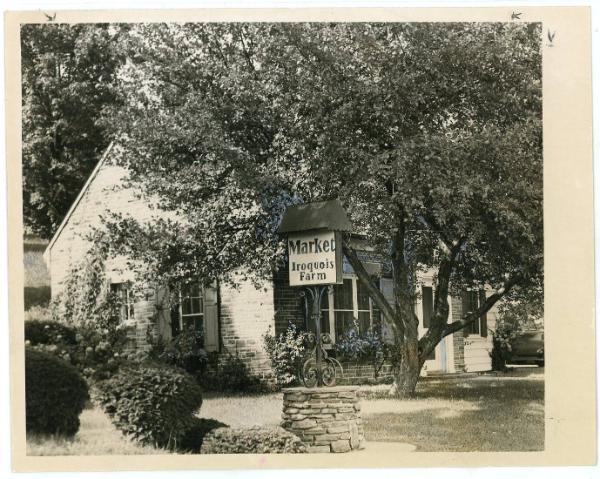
(269,237)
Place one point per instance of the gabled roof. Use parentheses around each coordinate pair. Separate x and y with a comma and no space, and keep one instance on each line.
(316,215)
(77,200)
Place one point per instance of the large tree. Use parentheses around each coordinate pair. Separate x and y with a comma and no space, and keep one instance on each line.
(429,134)
(68,78)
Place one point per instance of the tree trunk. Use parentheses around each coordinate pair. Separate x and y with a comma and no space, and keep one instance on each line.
(407,368)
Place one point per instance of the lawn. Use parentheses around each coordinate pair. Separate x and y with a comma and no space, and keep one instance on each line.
(96,436)
(482,413)
(475,414)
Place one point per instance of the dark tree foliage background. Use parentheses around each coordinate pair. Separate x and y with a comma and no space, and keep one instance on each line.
(68,79)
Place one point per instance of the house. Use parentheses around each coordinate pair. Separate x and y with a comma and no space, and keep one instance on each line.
(234,320)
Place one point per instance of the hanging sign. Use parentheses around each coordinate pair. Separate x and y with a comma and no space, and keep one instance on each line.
(315,257)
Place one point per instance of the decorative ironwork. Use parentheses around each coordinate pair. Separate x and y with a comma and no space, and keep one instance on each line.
(318,369)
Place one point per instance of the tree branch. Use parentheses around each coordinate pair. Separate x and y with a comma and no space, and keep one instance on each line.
(430,223)
(374,292)
(246,52)
(489,303)
(441,307)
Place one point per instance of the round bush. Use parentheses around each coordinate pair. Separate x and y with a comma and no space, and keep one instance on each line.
(153,405)
(55,394)
(194,437)
(48,332)
(251,440)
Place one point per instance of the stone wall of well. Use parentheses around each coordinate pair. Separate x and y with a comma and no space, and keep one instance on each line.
(326,419)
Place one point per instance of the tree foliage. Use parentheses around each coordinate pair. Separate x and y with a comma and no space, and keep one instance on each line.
(68,78)
(429,134)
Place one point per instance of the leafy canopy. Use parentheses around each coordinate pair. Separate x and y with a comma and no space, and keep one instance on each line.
(436,125)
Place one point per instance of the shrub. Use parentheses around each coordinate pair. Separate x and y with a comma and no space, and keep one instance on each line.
(184,350)
(230,376)
(153,405)
(286,352)
(99,352)
(252,440)
(48,332)
(502,337)
(36,296)
(55,394)
(194,437)
(367,347)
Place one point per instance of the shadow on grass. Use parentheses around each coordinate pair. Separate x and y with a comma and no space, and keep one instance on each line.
(463,415)
(490,428)
(477,389)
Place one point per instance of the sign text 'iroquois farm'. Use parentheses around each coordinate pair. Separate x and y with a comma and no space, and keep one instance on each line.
(315,258)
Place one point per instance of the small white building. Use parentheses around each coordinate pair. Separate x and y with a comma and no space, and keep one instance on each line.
(235,320)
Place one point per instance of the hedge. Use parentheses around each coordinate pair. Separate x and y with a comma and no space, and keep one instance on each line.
(252,440)
(55,394)
(48,332)
(153,405)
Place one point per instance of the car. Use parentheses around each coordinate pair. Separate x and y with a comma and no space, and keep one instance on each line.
(527,348)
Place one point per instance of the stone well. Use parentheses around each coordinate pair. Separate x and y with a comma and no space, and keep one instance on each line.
(326,419)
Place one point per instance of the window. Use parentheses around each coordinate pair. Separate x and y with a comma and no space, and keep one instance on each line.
(126,300)
(350,300)
(190,309)
(471,301)
(198,307)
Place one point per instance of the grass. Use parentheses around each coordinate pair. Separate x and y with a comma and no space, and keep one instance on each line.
(244,411)
(483,413)
(476,414)
(96,436)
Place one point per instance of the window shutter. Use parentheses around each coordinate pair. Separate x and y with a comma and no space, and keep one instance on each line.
(175,328)
(387,288)
(211,318)
(163,320)
(483,319)
(465,310)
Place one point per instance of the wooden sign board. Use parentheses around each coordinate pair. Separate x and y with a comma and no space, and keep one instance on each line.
(315,257)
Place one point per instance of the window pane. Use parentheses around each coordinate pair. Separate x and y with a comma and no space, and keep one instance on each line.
(199,324)
(196,305)
(324,323)
(186,306)
(377,320)
(188,322)
(362,296)
(195,321)
(364,321)
(325,300)
(343,322)
(342,295)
